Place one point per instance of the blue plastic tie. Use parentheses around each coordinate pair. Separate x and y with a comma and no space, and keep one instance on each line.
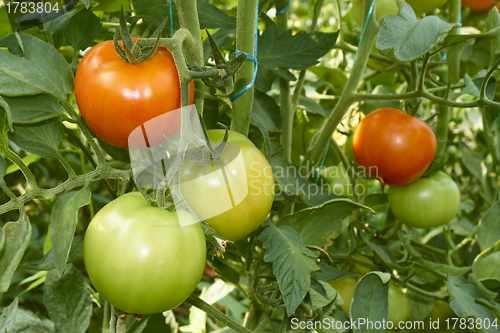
(171,20)
(370,12)
(250,57)
(284,9)
(322,162)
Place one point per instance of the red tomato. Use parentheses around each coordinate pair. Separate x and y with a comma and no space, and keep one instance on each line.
(116,97)
(479,5)
(394,146)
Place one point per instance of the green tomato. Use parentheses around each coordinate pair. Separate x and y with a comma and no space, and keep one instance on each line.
(345,288)
(382,8)
(338,181)
(428,202)
(362,269)
(140,258)
(235,194)
(425,6)
(399,305)
(441,311)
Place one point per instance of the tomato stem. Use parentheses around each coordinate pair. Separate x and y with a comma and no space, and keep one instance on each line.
(245,42)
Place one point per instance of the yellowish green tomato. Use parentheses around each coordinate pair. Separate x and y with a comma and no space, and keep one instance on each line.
(338,181)
(399,305)
(345,288)
(382,8)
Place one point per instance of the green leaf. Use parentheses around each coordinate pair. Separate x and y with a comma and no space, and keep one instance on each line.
(493,22)
(42,70)
(409,37)
(289,51)
(67,300)
(463,298)
(111,6)
(472,161)
(333,77)
(8,316)
(292,263)
(63,220)
(454,59)
(320,300)
(82,29)
(15,320)
(318,226)
(5,27)
(266,108)
(47,263)
(370,300)
(265,133)
(223,38)
(41,139)
(443,270)
(310,105)
(32,109)
(212,17)
(17,238)
(488,232)
(376,199)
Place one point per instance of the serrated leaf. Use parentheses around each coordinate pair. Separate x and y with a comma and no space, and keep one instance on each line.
(42,70)
(47,262)
(63,220)
(289,51)
(292,263)
(67,300)
(370,300)
(212,17)
(82,29)
(463,298)
(8,316)
(17,237)
(318,226)
(41,139)
(32,109)
(488,232)
(59,23)
(409,37)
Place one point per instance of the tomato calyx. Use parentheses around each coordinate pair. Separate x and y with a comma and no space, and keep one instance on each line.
(132,52)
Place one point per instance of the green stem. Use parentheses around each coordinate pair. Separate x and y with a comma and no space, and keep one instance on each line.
(320,140)
(31,183)
(85,130)
(188,18)
(245,42)
(442,131)
(216,314)
(286,105)
(418,290)
(254,311)
(106,317)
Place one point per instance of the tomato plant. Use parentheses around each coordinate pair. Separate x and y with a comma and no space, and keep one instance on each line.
(345,287)
(234,195)
(141,258)
(382,8)
(424,7)
(394,146)
(480,5)
(428,202)
(115,97)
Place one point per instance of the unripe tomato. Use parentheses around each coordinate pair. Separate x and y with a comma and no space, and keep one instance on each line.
(399,305)
(115,97)
(337,180)
(382,8)
(428,202)
(394,146)
(140,258)
(425,6)
(234,195)
(479,5)
(441,311)
(345,288)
